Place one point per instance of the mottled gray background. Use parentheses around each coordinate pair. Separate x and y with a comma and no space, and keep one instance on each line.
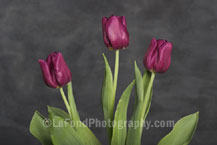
(31,29)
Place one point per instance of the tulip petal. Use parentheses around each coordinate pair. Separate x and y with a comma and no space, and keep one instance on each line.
(164,57)
(62,72)
(47,74)
(117,33)
(123,20)
(161,43)
(106,41)
(50,58)
(49,61)
(151,55)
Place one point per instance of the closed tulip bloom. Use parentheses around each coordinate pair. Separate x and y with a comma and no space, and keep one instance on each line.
(158,56)
(55,71)
(115,32)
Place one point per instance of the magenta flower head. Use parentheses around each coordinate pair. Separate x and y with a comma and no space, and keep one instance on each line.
(115,32)
(158,56)
(55,71)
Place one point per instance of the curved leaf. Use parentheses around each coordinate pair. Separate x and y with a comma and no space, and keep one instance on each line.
(139,84)
(119,128)
(108,99)
(58,112)
(141,106)
(39,130)
(182,132)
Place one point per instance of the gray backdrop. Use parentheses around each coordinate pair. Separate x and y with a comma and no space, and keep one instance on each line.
(31,29)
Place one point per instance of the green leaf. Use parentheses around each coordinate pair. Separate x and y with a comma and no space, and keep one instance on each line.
(139,84)
(182,132)
(62,133)
(74,112)
(119,128)
(88,135)
(108,99)
(135,131)
(82,129)
(148,106)
(146,79)
(141,108)
(39,130)
(58,112)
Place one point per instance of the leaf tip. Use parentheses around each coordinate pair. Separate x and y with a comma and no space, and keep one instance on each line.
(197,114)
(135,63)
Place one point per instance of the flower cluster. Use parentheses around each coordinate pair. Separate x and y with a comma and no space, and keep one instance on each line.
(115,34)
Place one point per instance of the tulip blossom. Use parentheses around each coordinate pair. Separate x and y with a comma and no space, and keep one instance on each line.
(158,56)
(115,32)
(55,71)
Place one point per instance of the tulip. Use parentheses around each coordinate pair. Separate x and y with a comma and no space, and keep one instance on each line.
(115,32)
(55,71)
(158,56)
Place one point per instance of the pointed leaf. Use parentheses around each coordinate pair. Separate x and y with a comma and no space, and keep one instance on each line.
(119,128)
(39,129)
(108,99)
(141,109)
(58,112)
(182,132)
(139,84)
(75,114)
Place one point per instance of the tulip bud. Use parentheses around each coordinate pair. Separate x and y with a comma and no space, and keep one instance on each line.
(158,56)
(115,32)
(55,71)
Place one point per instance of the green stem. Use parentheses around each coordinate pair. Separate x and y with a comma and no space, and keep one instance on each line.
(114,88)
(65,101)
(148,95)
(115,81)
(74,112)
(116,71)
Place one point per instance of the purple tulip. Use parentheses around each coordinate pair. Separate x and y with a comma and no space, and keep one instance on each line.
(55,71)
(115,32)
(158,56)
